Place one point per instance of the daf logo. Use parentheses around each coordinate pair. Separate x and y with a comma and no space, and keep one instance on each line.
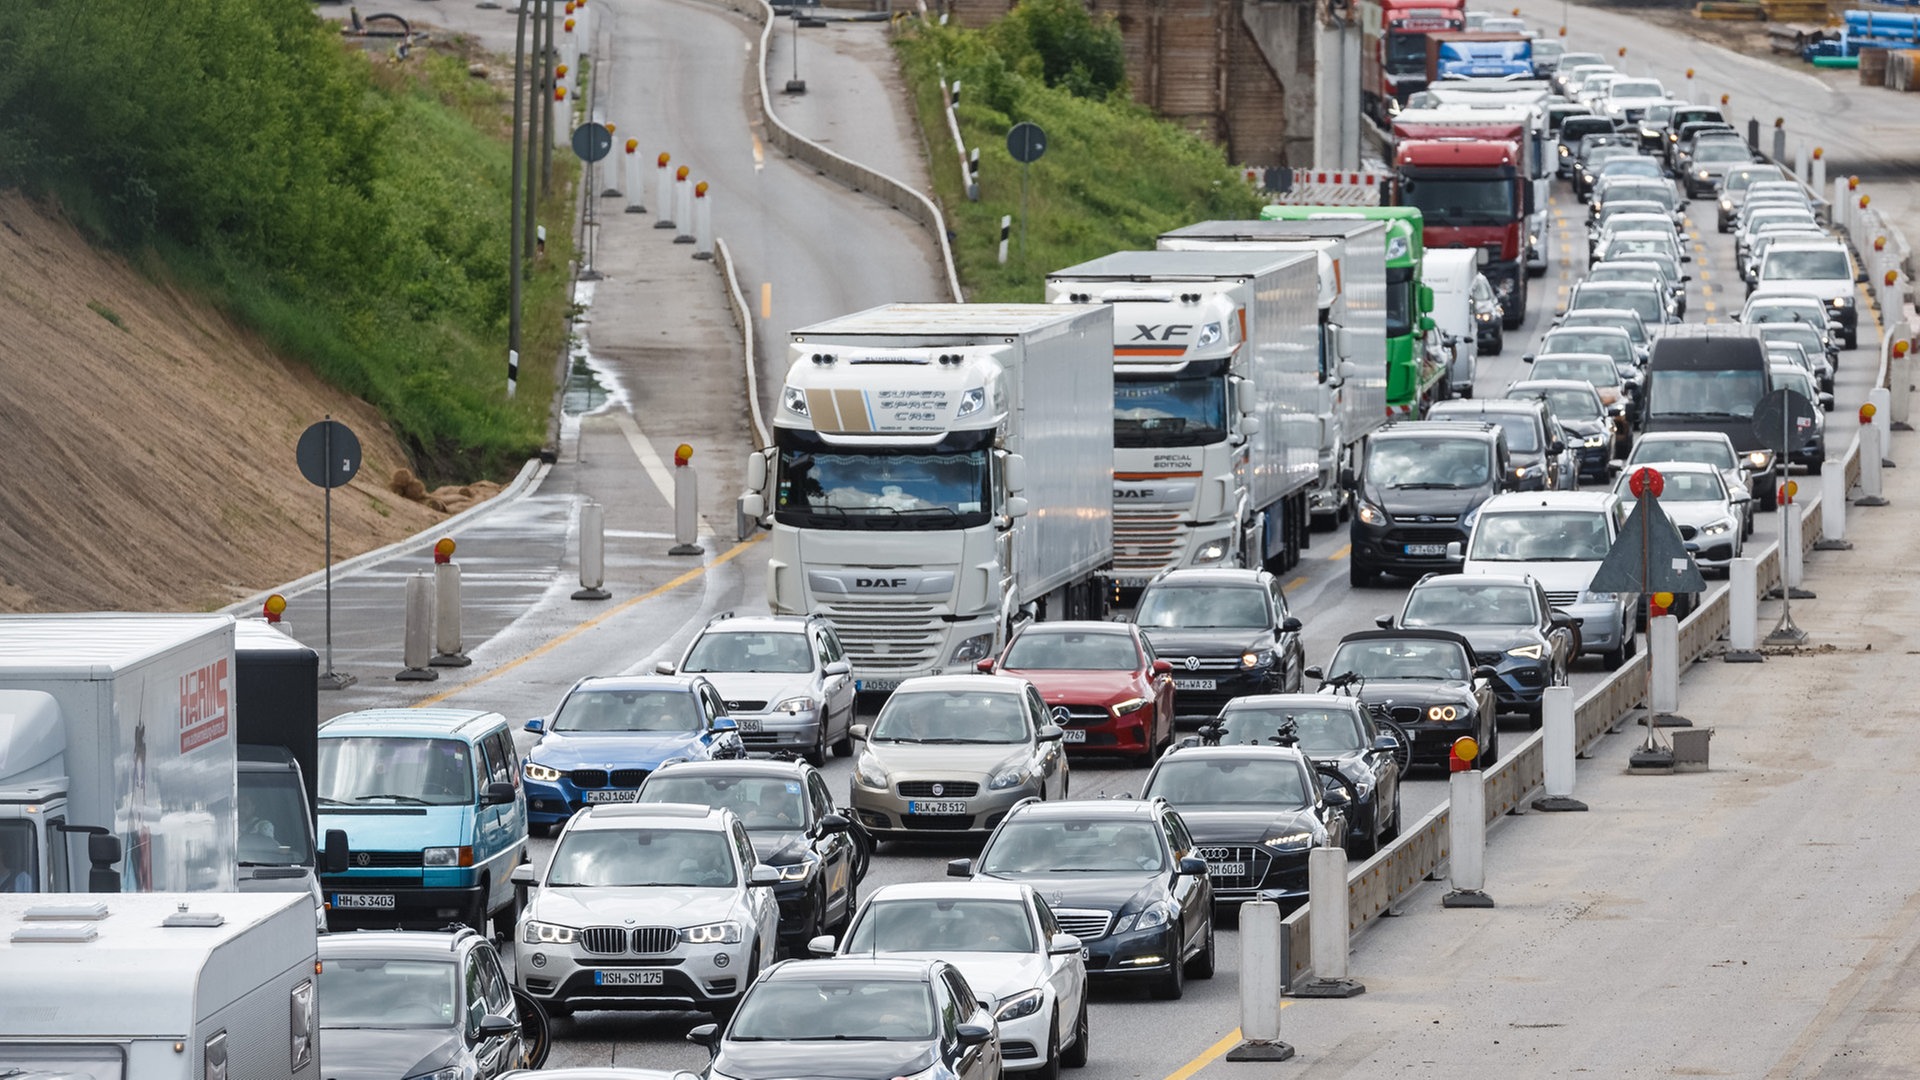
(363,859)
(939,790)
(1193,663)
(880,583)
(1133,493)
(1061,715)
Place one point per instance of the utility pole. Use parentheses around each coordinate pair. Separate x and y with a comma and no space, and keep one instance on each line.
(514,251)
(546,144)
(536,113)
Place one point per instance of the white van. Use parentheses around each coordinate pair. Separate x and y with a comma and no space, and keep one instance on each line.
(1450,273)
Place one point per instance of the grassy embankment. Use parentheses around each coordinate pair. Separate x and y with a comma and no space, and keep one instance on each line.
(1113,177)
(351,209)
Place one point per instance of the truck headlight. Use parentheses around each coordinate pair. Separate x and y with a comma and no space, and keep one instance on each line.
(717,933)
(446,856)
(795,400)
(1209,335)
(1024,1003)
(1210,552)
(972,401)
(546,933)
(1010,776)
(546,774)
(794,706)
(973,650)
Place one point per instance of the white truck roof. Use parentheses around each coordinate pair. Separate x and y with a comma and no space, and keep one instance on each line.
(934,320)
(128,965)
(98,644)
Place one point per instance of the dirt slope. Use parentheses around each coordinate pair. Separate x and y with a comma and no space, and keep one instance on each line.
(148,441)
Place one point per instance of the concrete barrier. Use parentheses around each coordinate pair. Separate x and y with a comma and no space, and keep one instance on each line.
(743,319)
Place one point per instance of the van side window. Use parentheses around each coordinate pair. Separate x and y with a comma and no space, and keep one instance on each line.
(500,762)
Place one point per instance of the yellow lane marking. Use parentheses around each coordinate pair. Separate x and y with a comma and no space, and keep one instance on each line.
(1294,584)
(691,575)
(1208,1056)
(1345,550)
(1708,305)
(766,299)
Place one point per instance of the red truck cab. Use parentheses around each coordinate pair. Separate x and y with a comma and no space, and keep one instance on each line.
(1472,187)
(1393,58)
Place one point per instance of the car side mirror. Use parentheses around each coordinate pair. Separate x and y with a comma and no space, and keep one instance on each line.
(974,1034)
(820,946)
(1013,469)
(1483,671)
(753,508)
(1063,945)
(1833,326)
(1315,672)
(838,667)
(496,1027)
(1192,866)
(665,667)
(857,732)
(1455,551)
(335,855)
(707,1035)
(1162,667)
(498,793)
(1385,743)
(1051,733)
(984,667)
(1347,479)
(521,874)
(724,723)
(1860,278)
(1292,625)
(1686,278)
(537,725)
(1384,622)
(833,823)
(1556,447)
(763,877)
(1527,359)
(1685,258)
(961,868)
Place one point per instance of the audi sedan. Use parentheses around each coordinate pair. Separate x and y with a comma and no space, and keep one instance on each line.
(1512,625)
(1101,683)
(1255,812)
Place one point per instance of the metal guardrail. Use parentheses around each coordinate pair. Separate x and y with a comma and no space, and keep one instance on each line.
(743,318)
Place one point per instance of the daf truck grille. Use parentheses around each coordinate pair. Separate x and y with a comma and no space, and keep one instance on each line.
(1145,543)
(882,636)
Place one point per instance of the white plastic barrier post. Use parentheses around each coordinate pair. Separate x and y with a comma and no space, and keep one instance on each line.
(1260,982)
(417,644)
(1663,666)
(632,179)
(1869,465)
(686,504)
(1743,611)
(702,222)
(1467,836)
(562,117)
(1833,507)
(663,191)
(1819,179)
(447,648)
(683,205)
(610,167)
(593,553)
(1900,376)
(1558,751)
(1330,928)
(1882,401)
(1791,547)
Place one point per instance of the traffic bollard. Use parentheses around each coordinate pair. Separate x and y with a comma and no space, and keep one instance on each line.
(683,205)
(632,179)
(1819,179)
(1260,983)
(562,124)
(1793,558)
(663,191)
(1743,612)
(1328,925)
(613,178)
(1557,751)
(1467,840)
(686,503)
(416,644)
(1882,401)
(973,174)
(593,553)
(1833,507)
(702,222)
(1663,672)
(1900,379)
(447,648)
(1869,462)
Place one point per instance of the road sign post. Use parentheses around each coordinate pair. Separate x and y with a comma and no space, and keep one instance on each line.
(1027,143)
(328,454)
(592,142)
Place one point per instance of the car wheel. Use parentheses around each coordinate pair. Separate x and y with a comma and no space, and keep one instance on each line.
(844,748)
(817,757)
(1050,1066)
(1614,659)
(1358,576)
(1172,986)
(1075,1056)
(1201,966)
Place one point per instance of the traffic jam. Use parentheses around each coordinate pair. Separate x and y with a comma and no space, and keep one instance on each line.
(849,836)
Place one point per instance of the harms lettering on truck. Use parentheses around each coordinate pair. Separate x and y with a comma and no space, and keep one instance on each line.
(204,697)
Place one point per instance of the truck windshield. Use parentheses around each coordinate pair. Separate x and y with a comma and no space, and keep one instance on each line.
(373,992)
(1682,394)
(1399,301)
(18,860)
(882,487)
(1170,412)
(274,827)
(381,770)
(1462,201)
(1406,53)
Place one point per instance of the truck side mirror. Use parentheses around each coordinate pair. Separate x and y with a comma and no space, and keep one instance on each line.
(1426,323)
(1347,479)
(757,471)
(1342,342)
(1016,507)
(1014,468)
(1250,425)
(753,506)
(336,852)
(103,851)
(1426,297)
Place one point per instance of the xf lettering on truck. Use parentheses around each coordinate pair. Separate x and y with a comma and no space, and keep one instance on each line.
(1143,332)
(204,698)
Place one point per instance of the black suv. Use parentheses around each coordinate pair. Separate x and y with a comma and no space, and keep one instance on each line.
(1533,438)
(418,1003)
(794,827)
(1419,486)
(1124,876)
(1226,632)
(1255,811)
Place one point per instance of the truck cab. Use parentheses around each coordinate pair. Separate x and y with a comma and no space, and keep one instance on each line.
(276,845)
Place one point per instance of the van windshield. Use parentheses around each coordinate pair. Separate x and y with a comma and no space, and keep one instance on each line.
(395,770)
(1706,394)
(1432,463)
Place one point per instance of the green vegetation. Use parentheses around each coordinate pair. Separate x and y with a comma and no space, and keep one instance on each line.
(106,313)
(1114,176)
(352,209)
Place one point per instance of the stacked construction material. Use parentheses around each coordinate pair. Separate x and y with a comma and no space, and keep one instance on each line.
(1796,11)
(1903,70)
(1879,30)
(1729,10)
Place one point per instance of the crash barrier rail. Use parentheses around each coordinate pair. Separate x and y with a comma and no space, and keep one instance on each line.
(846,171)
(743,318)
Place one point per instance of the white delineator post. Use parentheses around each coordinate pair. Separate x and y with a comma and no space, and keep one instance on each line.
(1882,401)
(1900,375)
(1260,983)
(702,222)
(447,648)
(1467,840)
(683,205)
(1833,507)
(1006,230)
(1793,547)
(1558,752)
(1743,611)
(1869,460)
(1328,925)
(663,190)
(633,179)
(686,503)
(593,553)
(1663,666)
(417,642)
(562,120)
(612,179)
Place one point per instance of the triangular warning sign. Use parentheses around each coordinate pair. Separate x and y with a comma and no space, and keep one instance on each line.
(1648,556)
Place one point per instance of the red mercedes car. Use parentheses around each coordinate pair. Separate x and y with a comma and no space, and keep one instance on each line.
(1101,682)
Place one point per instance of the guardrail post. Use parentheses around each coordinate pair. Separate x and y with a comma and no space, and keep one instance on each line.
(1329,931)
(593,553)
(1869,462)
(1467,836)
(1743,611)
(1663,672)
(663,190)
(1833,507)
(447,649)
(417,642)
(1260,979)
(1558,751)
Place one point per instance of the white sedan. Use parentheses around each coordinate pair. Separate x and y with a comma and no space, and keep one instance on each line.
(1695,498)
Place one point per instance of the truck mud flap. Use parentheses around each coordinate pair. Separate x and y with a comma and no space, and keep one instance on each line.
(535,1029)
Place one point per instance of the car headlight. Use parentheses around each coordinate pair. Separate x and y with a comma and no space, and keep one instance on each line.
(1564,152)
(972,401)
(868,772)
(799,871)
(1130,706)
(972,650)
(544,773)
(1210,552)
(1594,440)
(446,856)
(1530,471)
(1209,335)
(1700,174)
(1010,776)
(1841,301)
(1528,652)
(1372,515)
(1726,205)
(1599,597)
(1254,658)
(1154,915)
(1760,460)
(1715,528)
(546,933)
(713,933)
(1024,1003)
(795,400)
(1443,714)
(794,706)
(450,1073)
(1289,840)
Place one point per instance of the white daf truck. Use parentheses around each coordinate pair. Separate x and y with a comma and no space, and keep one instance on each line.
(1216,386)
(940,474)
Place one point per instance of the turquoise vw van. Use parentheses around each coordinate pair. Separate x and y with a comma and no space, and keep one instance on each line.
(434,815)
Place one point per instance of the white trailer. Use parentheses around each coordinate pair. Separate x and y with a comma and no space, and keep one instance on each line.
(120,726)
(1352,377)
(158,986)
(1216,397)
(939,474)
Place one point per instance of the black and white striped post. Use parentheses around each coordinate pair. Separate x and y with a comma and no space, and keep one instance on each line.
(973,174)
(1006,230)
(513,372)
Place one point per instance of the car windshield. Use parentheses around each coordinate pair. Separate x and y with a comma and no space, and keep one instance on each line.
(1072,650)
(642,858)
(1597,372)
(1169,411)
(1202,783)
(629,710)
(1629,166)
(1795,333)
(1830,265)
(1658,114)
(373,769)
(1635,327)
(1321,732)
(1617,346)
(1469,605)
(819,1009)
(761,653)
(1682,487)
(1574,128)
(1627,88)
(942,926)
(773,803)
(1623,272)
(1568,402)
(372,992)
(1795,379)
(1540,536)
(1028,845)
(1433,463)
(1400,658)
(1198,607)
(1706,451)
(1705,392)
(1646,303)
(1406,53)
(274,827)
(1707,150)
(952,716)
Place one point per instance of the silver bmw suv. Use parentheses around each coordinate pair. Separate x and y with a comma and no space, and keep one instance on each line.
(786,680)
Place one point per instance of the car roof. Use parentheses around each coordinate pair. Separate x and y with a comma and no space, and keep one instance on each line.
(637,815)
(947,888)
(1544,501)
(410,944)
(1584,356)
(774,767)
(1688,466)
(1216,576)
(638,682)
(411,723)
(729,623)
(1596,329)
(1416,428)
(891,969)
(1469,406)
(1809,245)
(993,684)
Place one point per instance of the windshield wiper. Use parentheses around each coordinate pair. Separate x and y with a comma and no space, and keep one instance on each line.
(1663,415)
(1425,486)
(410,800)
(326,801)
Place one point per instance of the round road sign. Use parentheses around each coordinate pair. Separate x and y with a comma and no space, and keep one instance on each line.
(328,454)
(591,142)
(1783,419)
(1645,481)
(1026,142)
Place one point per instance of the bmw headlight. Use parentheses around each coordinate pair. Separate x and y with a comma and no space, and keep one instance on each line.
(972,650)
(1210,334)
(1010,776)
(1254,658)
(1024,1003)
(1599,597)
(1371,514)
(1130,706)
(715,933)
(449,1073)
(1210,552)
(1716,528)
(546,774)
(1443,714)
(794,706)
(799,871)
(972,401)
(1528,652)
(795,400)
(868,772)
(1289,840)
(546,933)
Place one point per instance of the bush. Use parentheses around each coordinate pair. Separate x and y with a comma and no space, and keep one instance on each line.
(1072,50)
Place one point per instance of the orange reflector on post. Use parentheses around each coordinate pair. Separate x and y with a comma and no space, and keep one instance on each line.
(443,550)
(1893,276)
(275,607)
(664,158)
(680,173)
(681,455)
(1866,413)
(700,190)
(1460,758)
(632,145)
